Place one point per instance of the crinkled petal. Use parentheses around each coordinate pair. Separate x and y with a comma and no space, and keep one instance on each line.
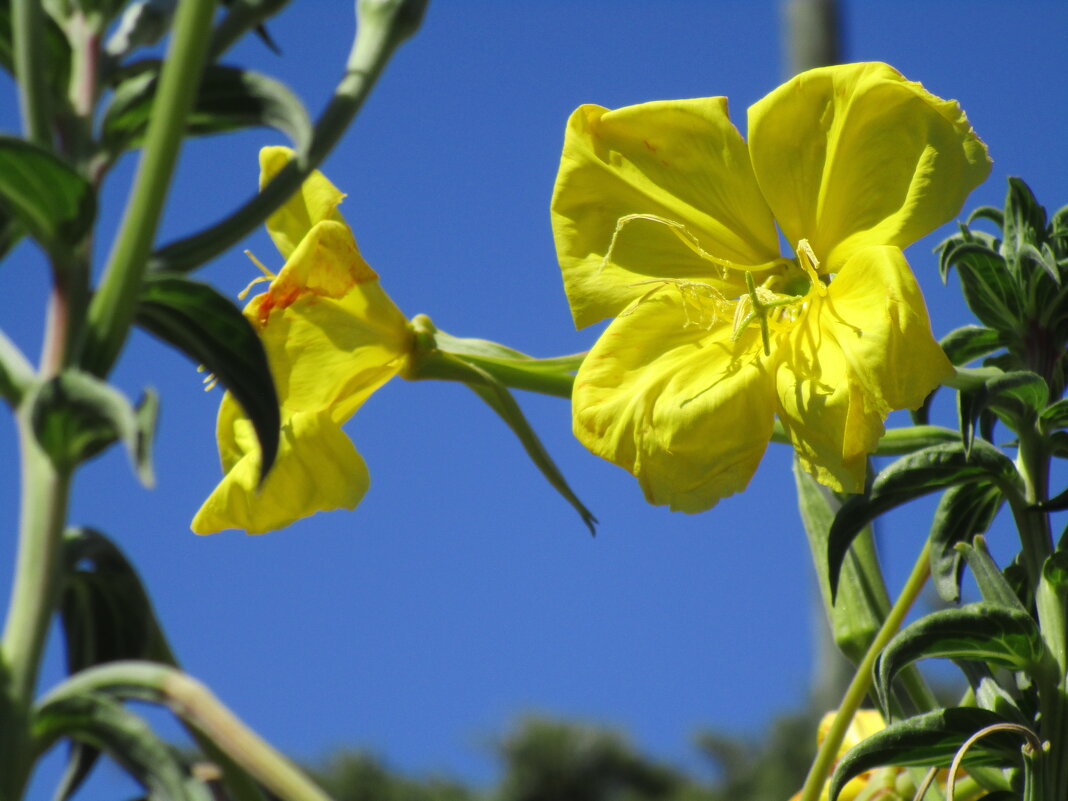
(681,406)
(680,161)
(332,335)
(855,155)
(858,353)
(315,201)
(317,470)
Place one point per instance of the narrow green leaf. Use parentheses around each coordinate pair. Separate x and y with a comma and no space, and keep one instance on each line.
(929,470)
(1054,416)
(105,724)
(969,342)
(228,99)
(208,328)
(987,285)
(988,577)
(498,398)
(16,373)
(47,198)
(76,416)
(996,635)
(930,740)
(963,511)
(859,608)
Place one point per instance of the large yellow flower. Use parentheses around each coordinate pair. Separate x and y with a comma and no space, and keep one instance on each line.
(332,337)
(665,219)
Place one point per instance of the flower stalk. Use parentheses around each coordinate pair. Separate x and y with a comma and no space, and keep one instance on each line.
(112,309)
(862,679)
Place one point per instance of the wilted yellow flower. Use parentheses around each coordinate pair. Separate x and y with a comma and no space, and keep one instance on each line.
(332,337)
(666,219)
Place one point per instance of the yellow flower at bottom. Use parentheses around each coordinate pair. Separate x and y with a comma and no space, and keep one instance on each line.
(332,337)
(665,219)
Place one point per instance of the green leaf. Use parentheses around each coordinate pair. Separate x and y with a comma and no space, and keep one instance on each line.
(930,740)
(498,398)
(56,47)
(228,99)
(969,342)
(859,608)
(47,197)
(75,416)
(929,470)
(963,511)
(991,581)
(106,616)
(1017,398)
(95,719)
(1054,416)
(997,635)
(16,373)
(208,328)
(987,284)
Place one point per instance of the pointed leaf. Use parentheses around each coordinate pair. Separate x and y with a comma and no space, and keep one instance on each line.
(1054,416)
(76,416)
(990,580)
(983,632)
(929,470)
(96,719)
(858,610)
(969,342)
(930,740)
(987,284)
(211,330)
(963,511)
(47,197)
(228,99)
(498,398)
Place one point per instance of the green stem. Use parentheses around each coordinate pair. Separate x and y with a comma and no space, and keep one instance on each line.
(1036,541)
(45,492)
(31,70)
(858,687)
(112,309)
(194,704)
(383,24)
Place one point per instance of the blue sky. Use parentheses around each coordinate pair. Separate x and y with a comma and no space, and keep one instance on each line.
(463,592)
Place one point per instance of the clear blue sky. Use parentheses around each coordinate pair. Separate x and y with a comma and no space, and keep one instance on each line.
(464,592)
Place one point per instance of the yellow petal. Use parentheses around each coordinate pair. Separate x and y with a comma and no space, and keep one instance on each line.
(332,335)
(680,406)
(681,162)
(317,470)
(864,349)
(317,200)
(855,155)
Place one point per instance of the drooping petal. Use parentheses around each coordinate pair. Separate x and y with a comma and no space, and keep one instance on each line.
(666,394)
(680,161)
(317,470)
(315,201)
(864,349)
(855,155)
(332,335)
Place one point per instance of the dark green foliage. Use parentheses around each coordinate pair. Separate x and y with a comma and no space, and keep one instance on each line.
(544,760)
(1015,284)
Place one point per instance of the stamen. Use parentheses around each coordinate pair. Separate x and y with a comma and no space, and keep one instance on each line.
(267,276)
(210,380)
(806,259)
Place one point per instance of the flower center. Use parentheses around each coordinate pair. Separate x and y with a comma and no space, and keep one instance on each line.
(779,301)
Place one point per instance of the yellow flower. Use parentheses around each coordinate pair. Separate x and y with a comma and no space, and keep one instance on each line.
(665,219)
(332,337)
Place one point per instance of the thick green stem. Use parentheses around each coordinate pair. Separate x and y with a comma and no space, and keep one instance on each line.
(31,70)
(383,24)
(112,309)
(858,688)
(45,492)
(1036,541)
